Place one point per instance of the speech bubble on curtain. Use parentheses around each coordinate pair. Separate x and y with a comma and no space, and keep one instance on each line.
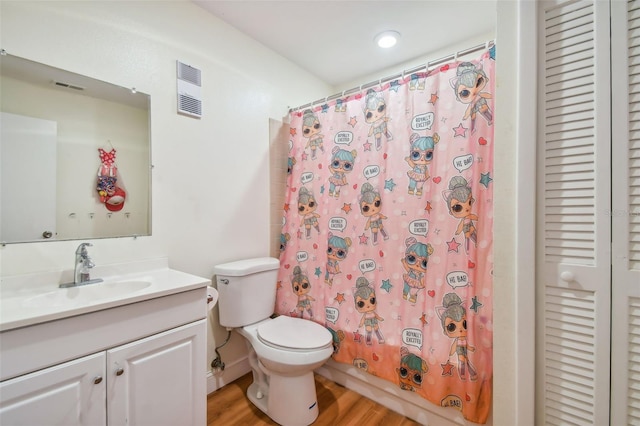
(412,337)
(367,265)
(302,256)
(360,363)
(371,171)
(337,223)
(419,227)
(306,177)
(331,314)
(422,121)
(457,279)
(463,162)
(290,144)
(452,401)
(343,138)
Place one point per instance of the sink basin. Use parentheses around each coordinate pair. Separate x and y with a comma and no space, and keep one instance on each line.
(78,296)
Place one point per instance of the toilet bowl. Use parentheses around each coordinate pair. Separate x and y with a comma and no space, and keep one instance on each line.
(287,345)
(283,351)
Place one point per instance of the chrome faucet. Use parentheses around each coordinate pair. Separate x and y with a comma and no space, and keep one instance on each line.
(83,264)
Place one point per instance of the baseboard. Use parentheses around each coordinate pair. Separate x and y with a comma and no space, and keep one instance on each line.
(387,394)
(231,372)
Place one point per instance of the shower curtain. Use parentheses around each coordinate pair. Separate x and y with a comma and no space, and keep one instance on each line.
(387,233)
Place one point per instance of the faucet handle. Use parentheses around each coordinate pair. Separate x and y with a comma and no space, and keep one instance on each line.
(88,263)
(82,249)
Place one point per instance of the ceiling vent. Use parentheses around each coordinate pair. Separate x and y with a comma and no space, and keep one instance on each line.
(189,90)
(68,85)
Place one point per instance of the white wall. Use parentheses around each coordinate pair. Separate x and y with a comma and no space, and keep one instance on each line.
(210,192)
(514,206)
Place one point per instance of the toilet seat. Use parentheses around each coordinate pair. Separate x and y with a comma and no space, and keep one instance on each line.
(294,334)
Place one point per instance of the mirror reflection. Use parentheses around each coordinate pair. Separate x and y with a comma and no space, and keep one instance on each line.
(74,156)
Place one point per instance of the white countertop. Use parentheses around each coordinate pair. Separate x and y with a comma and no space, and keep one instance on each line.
(33,299)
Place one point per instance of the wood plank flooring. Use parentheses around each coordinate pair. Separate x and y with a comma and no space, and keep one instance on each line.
(338,406)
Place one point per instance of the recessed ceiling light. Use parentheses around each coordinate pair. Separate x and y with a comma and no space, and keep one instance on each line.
(387,39)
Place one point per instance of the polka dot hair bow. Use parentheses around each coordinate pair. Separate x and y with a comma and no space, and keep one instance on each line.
(107,158)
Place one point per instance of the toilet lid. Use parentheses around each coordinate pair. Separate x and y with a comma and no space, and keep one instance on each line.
(294,333)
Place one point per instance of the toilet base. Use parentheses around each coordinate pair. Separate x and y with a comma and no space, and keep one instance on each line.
(295,402)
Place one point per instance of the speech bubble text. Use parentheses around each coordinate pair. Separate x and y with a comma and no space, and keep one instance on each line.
(367,265)
(360,363)
(337,223)
(331,314)
(412,337)
(302,256)
(452,401)
(419,227)
(463,162)
(422,121)
(343,138)
(306,177)
(371,171)
(457,279)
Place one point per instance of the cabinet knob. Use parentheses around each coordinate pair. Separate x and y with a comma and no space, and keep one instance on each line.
(119,372)
(97,380)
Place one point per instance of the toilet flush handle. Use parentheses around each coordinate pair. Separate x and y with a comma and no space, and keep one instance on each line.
(224,281)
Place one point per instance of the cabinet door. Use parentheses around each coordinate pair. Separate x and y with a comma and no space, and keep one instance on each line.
(160,380)
(68,394)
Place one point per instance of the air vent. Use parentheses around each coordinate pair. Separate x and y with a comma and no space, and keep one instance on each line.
(189,90)
(67,85)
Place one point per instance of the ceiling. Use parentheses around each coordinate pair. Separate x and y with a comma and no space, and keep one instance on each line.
(334,39)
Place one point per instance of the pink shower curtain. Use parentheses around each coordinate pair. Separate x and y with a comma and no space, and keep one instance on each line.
(388,231)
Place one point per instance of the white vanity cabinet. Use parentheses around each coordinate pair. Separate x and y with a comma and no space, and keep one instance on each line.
(138,364)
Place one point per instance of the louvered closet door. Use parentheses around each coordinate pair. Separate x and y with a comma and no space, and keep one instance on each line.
(625,214)
(573,258)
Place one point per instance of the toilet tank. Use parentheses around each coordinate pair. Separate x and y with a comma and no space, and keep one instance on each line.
(246,290)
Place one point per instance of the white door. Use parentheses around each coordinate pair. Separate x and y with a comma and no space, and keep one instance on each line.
(68,394)
(160,380)
(574,235)
(625,213)
(27,178)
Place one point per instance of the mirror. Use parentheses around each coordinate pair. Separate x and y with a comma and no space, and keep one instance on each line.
(65,137)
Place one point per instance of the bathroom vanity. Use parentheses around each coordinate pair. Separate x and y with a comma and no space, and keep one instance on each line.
(130,351)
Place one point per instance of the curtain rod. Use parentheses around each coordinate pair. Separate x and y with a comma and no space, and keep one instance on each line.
(356,89)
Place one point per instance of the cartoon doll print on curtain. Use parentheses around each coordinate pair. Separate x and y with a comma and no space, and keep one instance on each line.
(387,235)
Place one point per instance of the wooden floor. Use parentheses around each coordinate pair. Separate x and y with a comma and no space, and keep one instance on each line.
(338,406)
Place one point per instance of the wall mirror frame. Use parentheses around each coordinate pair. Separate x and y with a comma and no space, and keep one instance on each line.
(54,123)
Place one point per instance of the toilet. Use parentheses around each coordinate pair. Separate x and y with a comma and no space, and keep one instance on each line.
(283,351)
